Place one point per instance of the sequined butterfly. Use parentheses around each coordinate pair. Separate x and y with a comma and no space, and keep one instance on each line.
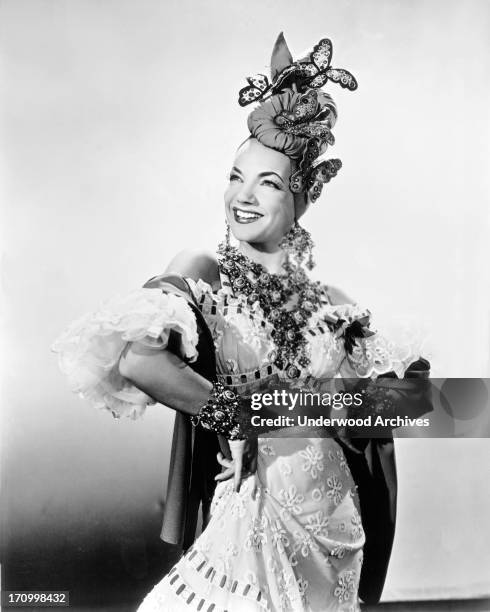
(320,71)
(257,87)
(320,174)
(302,120)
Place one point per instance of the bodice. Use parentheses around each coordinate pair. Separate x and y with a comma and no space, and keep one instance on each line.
(245,348)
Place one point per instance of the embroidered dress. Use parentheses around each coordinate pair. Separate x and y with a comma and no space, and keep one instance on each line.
(292,537)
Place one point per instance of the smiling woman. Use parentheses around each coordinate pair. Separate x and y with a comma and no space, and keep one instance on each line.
(288,532)
(258,203)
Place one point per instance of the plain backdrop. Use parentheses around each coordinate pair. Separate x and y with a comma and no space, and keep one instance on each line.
(119,121)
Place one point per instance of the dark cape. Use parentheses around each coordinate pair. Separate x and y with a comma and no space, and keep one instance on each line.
(193,463)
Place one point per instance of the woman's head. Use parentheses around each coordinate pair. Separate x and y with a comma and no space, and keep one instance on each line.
(260,207)
(294,119)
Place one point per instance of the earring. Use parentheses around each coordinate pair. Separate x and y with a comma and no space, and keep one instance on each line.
(297,243)
(228,234)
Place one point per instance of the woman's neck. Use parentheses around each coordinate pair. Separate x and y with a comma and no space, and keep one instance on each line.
(272,260)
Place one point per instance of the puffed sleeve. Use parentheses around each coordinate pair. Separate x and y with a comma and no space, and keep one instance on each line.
(368,353)
(392,375)
(90,348)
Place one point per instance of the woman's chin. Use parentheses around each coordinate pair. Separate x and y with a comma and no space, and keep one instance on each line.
(247,233)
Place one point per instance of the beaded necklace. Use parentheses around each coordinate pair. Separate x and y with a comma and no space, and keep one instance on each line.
(273,292)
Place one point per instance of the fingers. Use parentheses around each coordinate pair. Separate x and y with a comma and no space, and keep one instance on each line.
(223,461)
(234,467)
(229,473)
(226,474)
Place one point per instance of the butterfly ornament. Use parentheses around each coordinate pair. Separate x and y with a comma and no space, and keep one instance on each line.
(311,72)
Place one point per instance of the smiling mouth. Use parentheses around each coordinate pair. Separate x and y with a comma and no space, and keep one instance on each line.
(245,216)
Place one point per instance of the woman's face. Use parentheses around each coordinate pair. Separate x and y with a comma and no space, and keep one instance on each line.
(259,205)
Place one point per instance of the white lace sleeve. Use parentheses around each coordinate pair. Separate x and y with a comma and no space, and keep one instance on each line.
(90,348)
(369,353)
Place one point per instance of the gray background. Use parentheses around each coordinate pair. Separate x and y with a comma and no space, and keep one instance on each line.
(119,121)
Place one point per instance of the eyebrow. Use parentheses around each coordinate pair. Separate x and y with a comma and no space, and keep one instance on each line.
(267,173)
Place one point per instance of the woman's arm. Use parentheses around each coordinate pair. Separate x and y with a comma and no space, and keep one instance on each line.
(165,377)
(161,374)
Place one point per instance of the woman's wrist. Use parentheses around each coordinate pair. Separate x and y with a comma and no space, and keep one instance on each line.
(222,413)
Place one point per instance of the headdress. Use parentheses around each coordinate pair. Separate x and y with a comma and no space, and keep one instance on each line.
(294,116)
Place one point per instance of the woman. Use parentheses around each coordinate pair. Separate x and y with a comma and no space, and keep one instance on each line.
(287,533)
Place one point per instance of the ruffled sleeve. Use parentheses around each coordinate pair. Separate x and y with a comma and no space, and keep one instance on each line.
(90,348)
(368,353)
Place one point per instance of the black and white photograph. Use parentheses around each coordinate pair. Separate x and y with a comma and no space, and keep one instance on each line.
(245,360)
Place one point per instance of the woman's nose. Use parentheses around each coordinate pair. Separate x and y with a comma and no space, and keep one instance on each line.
(246,195)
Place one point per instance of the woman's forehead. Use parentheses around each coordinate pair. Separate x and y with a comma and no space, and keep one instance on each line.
(254,156)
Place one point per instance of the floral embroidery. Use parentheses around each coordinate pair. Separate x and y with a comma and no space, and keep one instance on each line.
(334,492)
(285,468)
(318,493)
(231,364)
(279,537)
(237,506)
(290,501)
(345,586)
(317,524)
(302,588)
(293,559)
(313,461)
(304,543)
(338,551)
(356,530)
(203,544)
(256,535)
(302,585)
(342,462)
(285,587)
(267,449)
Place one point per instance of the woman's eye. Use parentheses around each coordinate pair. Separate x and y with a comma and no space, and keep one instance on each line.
(234,177)
(271,184)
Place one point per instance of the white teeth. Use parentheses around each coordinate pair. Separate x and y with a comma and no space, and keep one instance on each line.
(247,215)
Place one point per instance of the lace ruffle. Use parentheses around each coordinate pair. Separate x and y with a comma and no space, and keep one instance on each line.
(90,348)
(369,353)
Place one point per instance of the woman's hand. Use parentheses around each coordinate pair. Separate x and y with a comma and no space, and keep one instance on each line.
(242,464)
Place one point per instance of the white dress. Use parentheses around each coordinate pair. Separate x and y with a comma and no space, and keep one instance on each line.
(292,538)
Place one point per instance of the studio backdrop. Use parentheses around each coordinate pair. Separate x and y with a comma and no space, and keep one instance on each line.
(119,123)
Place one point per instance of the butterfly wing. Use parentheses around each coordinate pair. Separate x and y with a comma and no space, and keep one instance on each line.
(325,170)
(320,174)
(319,63)
(257,87)
(343,77)
(259,80)
(322,54)
(318,81)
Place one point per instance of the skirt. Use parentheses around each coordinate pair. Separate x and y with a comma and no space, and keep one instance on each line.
(290,540)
